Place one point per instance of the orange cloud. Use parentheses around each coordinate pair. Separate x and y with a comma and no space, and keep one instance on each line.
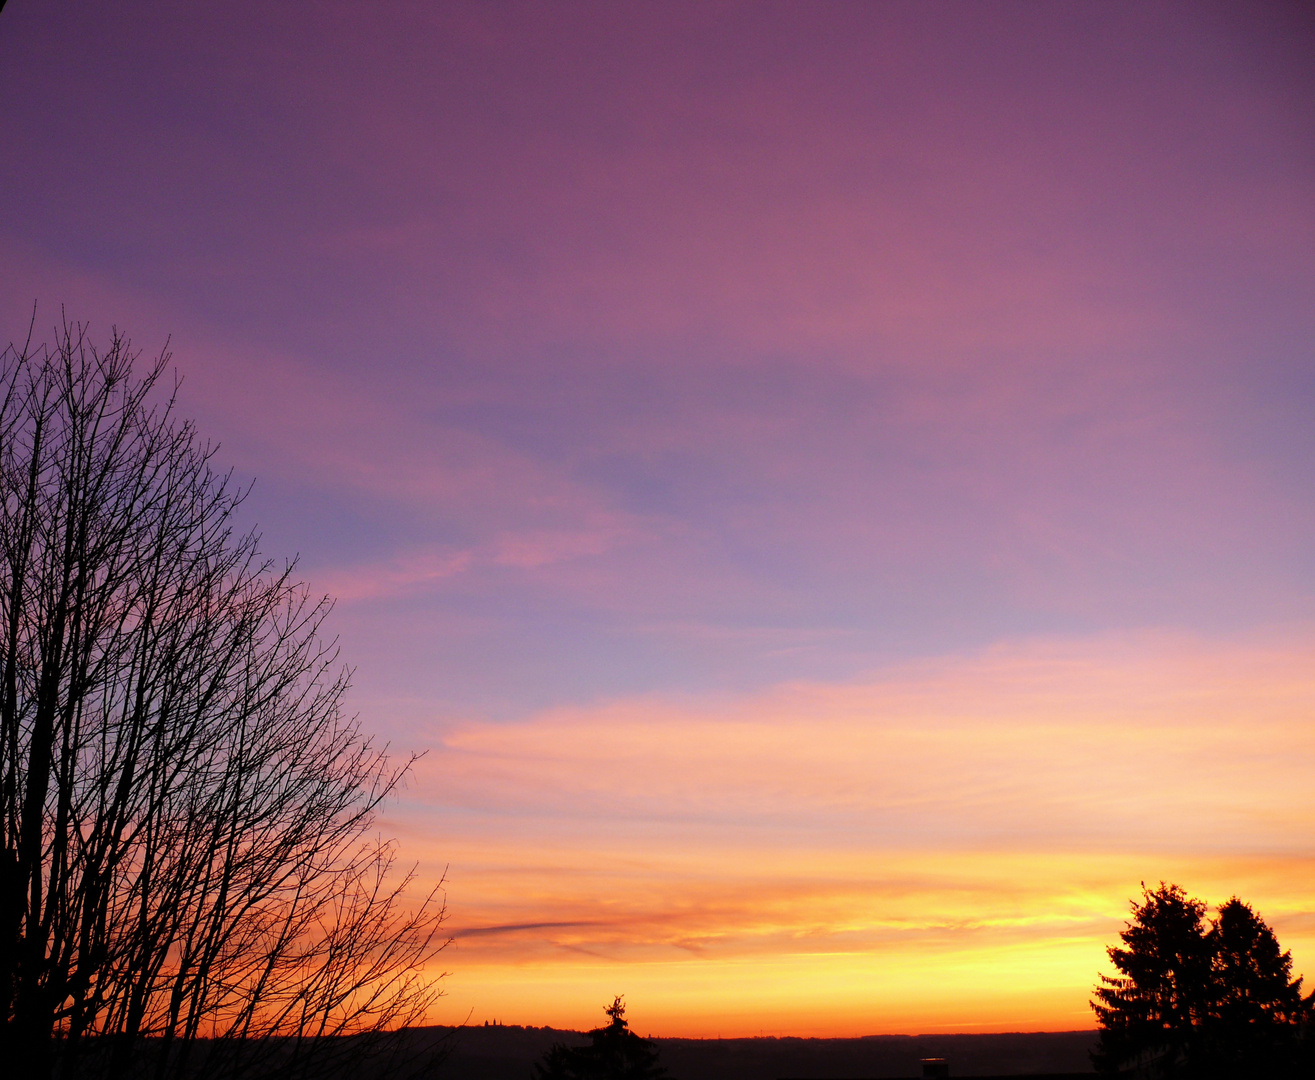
(949,845)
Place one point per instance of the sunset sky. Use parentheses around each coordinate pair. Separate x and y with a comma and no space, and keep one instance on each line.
(830,487)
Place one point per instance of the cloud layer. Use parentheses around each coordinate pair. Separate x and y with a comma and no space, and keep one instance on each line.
(959,818)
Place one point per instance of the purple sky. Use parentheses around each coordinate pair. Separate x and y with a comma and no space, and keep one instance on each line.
(597,353)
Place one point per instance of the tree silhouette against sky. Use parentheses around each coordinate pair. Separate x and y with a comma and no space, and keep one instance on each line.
(189,867)
(614,1053)
(1197,997)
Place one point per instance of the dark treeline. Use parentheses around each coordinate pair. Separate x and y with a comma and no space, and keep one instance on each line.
(510,1053)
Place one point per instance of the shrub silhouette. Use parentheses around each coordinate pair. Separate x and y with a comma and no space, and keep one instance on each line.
(614,1053)
(1198,998)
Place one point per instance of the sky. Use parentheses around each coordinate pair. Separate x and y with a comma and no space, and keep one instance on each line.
(829,488)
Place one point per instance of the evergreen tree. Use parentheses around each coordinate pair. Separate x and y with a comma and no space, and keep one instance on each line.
(614,1053)
(1199,999)
(1148,1012)
(1256,1007)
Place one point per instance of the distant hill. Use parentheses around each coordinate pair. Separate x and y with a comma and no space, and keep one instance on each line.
(508,1053)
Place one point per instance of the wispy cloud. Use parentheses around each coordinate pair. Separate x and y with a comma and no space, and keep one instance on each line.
(949,813)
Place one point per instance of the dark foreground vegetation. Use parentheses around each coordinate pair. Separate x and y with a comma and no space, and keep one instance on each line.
(611,1050)
(510,1053)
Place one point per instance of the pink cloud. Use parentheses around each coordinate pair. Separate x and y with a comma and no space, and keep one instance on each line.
(968,814)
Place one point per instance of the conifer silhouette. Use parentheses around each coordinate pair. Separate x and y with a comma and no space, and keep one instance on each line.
(614,1053)
(1200,998)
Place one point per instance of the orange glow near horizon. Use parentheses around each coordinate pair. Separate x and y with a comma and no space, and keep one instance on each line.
(966,949)
(948,847)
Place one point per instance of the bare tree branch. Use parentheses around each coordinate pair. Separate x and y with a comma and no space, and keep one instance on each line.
(188,867)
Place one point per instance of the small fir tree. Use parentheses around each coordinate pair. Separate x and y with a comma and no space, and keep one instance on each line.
(614,1053)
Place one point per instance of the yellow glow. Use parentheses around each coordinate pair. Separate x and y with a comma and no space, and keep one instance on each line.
(950,847)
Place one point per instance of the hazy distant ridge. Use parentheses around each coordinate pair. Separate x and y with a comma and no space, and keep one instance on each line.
(506,1053)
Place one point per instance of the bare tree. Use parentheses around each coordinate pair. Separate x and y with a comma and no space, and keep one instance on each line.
(190,879)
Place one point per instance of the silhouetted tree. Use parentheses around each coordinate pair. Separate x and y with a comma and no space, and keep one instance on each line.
(190,883)
(614,1053)
(1256,1010)
(1147,1013)
(1198,1000)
